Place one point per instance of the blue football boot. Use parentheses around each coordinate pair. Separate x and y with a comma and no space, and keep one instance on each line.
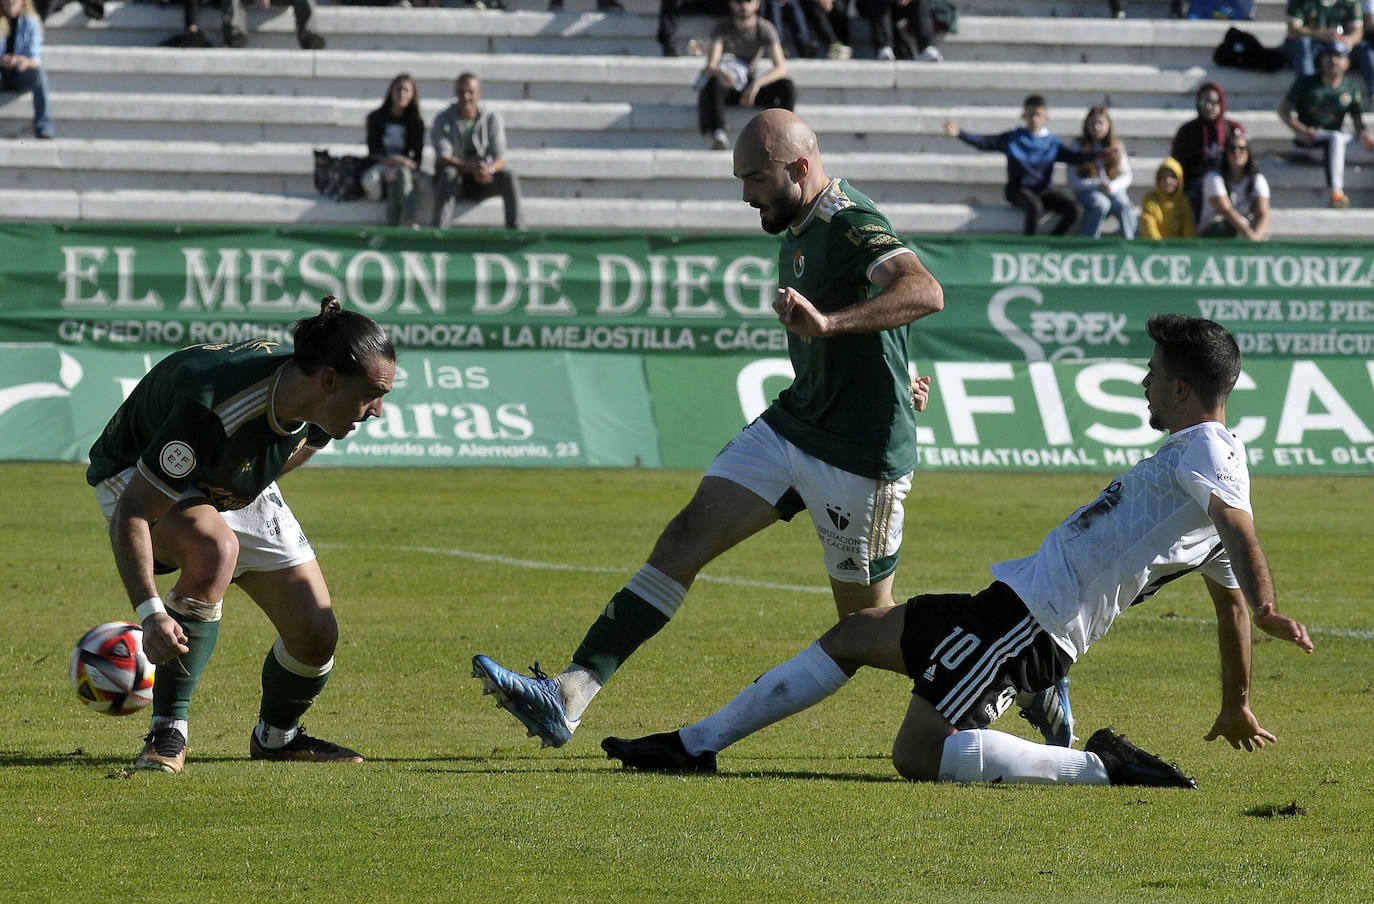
(534,701)
(1048,712)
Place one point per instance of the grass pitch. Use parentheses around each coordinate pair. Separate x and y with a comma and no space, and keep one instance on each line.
(428,567)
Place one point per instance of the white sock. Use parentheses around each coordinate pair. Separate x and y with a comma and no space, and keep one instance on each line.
(271,737)
(577,686)
(802,681)
(179,724)
(993,756)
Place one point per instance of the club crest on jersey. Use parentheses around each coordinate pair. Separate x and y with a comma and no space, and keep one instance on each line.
(798,264)
(177,459)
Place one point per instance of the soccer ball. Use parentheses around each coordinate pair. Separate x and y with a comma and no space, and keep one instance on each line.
(110,672)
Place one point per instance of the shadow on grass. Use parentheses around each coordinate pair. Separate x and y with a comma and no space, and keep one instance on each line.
(500,764)
(497,763)
(78,757)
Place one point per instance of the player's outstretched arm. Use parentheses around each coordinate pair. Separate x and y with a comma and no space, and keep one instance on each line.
(1280,626)
(1241,729)
(1237,531)
(1236,723)
(1235,527)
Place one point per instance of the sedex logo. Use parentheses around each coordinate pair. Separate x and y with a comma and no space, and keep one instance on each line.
(1050,335)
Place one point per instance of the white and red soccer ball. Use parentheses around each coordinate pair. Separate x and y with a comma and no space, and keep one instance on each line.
(110,672)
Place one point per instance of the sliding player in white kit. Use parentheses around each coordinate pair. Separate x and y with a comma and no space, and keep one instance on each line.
(1184,509)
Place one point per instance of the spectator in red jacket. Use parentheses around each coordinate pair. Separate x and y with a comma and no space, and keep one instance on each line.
(1198,143)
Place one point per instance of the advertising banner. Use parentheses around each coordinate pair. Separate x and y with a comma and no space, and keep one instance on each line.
(1018,298)
(625,350)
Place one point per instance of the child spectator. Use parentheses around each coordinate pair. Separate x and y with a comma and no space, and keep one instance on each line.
(395,141)
(1166,212)
(1198,142)
(1236,195)
(1315,109)
(21,64)
(1031,152)
(1101,187)
(731,75)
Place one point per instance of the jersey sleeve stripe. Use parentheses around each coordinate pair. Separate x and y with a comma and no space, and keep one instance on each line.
(886,257)
(158,483)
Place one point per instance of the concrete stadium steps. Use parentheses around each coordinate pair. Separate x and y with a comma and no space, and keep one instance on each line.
(1265,10)
(128,205)
(981,38)
(561,173)
(611,127)
(602,127)
(363,76)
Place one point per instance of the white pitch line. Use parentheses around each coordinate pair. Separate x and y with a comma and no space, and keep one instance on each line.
(596,569)
(1352,633)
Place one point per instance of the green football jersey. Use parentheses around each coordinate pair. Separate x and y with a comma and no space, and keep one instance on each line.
(1323,14)
(203,418)
(1320,106)
(848,405)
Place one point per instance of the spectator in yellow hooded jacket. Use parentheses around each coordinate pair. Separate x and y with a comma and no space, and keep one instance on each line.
(1166,212)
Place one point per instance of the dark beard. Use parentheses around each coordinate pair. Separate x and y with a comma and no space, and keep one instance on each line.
(781,215)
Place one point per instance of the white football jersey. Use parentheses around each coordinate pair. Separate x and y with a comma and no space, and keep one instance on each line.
(1147,528)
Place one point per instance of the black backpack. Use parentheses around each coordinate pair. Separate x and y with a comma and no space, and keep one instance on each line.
(339,178)
(1242,50)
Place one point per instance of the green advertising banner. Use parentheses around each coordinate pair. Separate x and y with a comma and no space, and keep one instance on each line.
(1017,298)
(530,409)
(612,349)
(1008,297)
(148,287)
(541,409)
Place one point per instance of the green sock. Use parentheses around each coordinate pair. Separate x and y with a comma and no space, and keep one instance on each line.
(623,625)
(289,687)
(172,689)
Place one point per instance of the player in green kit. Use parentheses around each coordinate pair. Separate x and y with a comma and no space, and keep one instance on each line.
(185,472)
(840,442)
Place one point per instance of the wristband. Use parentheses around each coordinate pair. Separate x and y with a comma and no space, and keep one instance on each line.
(151,606)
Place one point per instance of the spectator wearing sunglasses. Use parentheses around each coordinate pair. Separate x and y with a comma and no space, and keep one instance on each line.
(1198,142)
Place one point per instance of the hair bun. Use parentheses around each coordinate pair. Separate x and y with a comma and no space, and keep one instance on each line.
(329,305)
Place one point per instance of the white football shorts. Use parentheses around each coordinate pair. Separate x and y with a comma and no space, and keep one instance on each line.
(858,519)
(270,537)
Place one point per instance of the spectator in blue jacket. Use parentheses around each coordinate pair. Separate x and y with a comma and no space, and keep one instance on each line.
(21,63)
(1032,151)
